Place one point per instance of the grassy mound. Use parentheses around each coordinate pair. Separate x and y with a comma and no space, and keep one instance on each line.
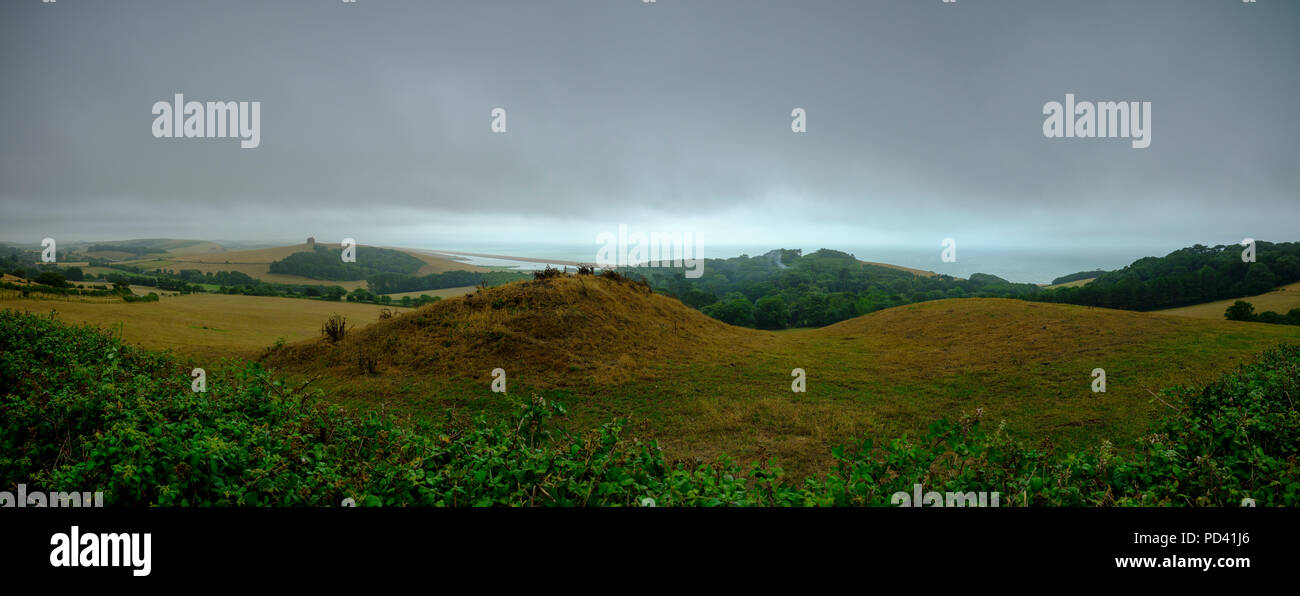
(562,330)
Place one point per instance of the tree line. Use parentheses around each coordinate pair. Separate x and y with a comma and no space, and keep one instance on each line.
(325,263)
(1187,276)
(394,283)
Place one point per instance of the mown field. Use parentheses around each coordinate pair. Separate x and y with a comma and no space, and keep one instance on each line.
(443,293)
(203,325)
(1279,301)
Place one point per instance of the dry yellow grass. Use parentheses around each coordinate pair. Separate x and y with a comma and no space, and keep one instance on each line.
(205,325)
(443,293)
(581,330)
(920,272)
(1280,301)
(168,247)
(1070,284)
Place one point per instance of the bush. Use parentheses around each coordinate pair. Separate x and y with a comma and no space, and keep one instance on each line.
(150,297)
(52,279)
(367,362)
(1240,311)
(547,273)
(335,328)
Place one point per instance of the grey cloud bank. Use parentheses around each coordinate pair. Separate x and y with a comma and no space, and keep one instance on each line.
(924,121)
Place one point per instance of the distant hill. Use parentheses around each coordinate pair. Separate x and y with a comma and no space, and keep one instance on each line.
(785,288)
(257,264)
(133,249)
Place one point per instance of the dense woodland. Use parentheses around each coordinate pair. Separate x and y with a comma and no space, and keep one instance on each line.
(1187,276)
(325,263)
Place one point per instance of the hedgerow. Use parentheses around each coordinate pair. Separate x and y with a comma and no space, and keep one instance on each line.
(80,411)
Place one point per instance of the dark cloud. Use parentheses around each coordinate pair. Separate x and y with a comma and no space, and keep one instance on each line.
(924,120)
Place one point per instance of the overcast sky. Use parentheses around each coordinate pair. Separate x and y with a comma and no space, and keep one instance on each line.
(924,121)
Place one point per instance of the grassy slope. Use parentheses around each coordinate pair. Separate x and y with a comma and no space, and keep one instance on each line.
(703,388)
(1280,301)
(163,246)
(204,325)
(919,272)
(443,293)
(1070,284)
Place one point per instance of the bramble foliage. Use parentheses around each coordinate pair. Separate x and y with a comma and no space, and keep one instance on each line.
(81,411)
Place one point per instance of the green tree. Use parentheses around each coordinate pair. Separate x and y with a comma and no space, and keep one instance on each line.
(736,310)
(1240,311)
(51,278)
(1259,279)
(770,312)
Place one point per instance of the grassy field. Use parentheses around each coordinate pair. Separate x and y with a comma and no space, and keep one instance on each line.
(1280,301)
(443,293)
(917,272)
(1070,284)
(204,325)
(160,246)
(703,388)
